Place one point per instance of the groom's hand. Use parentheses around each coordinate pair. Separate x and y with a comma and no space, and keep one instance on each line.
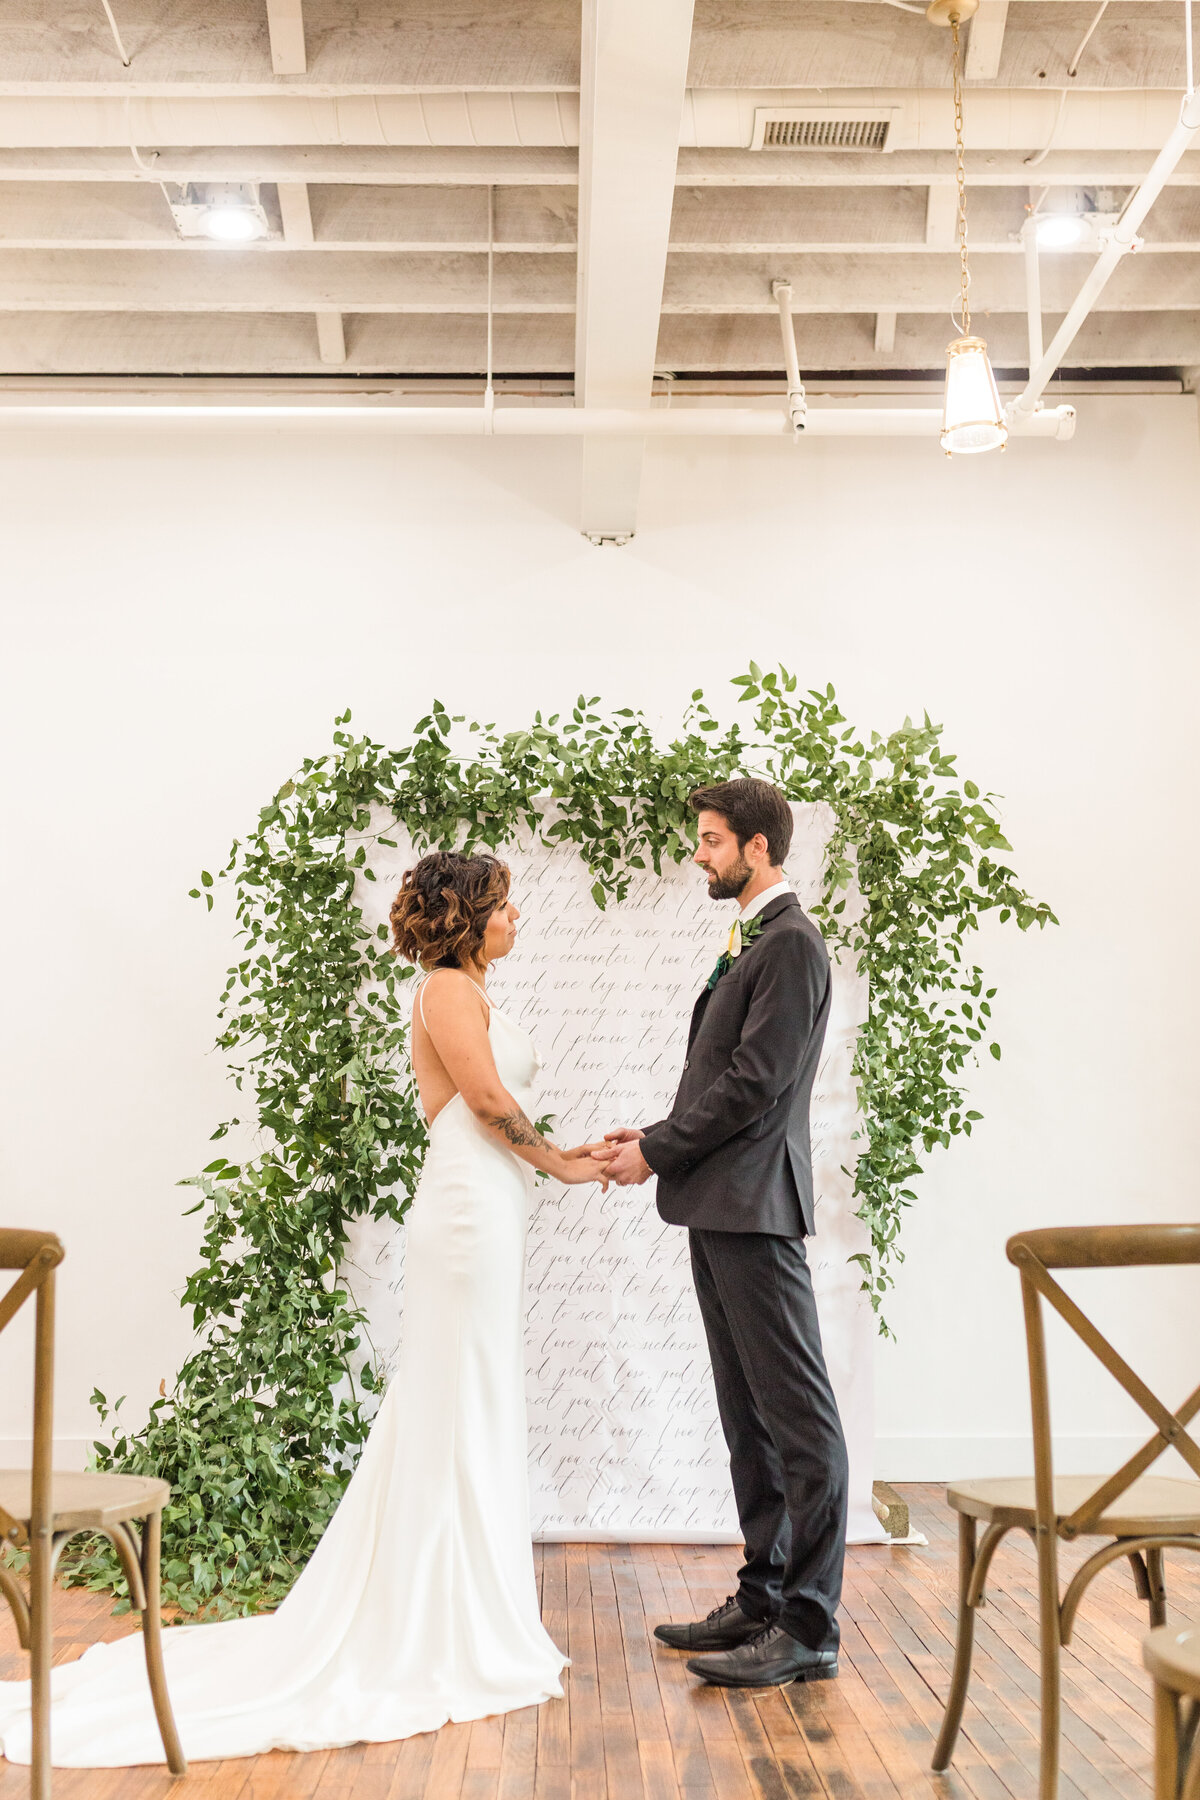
(624,1164)
(628,1134)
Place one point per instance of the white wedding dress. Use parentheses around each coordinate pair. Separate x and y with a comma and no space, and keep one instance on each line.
(420,1604)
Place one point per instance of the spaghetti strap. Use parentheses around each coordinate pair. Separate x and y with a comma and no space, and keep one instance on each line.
(466,977)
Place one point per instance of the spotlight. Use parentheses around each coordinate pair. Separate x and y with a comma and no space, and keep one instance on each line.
(232,224)
(1058,231)
(225,212)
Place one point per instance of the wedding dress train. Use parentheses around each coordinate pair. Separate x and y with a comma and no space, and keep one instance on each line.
(420,1604)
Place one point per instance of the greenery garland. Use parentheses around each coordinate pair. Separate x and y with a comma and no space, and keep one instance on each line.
(265,1418)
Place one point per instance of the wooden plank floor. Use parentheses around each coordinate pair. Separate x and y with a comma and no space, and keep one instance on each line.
(635,1726)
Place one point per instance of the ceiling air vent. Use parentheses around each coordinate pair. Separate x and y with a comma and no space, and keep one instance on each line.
(812,128)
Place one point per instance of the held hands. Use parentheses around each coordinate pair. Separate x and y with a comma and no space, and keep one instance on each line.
(617,1159)
(580,1165)
(623,1161)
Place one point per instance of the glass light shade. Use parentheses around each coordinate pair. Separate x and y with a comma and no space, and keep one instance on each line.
(973,419)
(232,224)
(1057,231)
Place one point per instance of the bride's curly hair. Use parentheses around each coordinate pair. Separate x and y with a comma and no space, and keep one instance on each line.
(439,917)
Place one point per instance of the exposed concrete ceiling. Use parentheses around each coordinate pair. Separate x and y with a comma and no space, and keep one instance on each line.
(378,129)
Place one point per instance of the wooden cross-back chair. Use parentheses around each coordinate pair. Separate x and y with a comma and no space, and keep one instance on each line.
(1142,1515)
(40,1510)
(1172,1655)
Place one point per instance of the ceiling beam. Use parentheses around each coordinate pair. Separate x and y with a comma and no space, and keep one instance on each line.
(920,168)
(633,79)
(617,353)
(221,278)
(359,165)
(285,22)
(941,217)
(390,346)
(471,165)
(41,215)
(918,283)
(985,41)
(295,214)
(1107,340)
(331,337)
(153,235)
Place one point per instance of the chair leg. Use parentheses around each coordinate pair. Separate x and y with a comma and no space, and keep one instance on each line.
(1051,1630)
(963,1645)
(1187,1727)
(41,1649)
(152,1637)
(1156,1582)
(1166,1744)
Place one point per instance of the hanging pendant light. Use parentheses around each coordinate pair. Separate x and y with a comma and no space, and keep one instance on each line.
(972,418)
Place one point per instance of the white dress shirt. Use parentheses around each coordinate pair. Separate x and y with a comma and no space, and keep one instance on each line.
(756,905)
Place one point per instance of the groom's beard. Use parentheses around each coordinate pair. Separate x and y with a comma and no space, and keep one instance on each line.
(732,883)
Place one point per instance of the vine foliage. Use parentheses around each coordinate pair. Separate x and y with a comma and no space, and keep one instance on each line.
(267,1414)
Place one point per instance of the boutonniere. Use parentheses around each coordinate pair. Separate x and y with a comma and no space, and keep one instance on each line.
(741,933)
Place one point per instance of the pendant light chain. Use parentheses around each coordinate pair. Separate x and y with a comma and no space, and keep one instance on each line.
(960,175)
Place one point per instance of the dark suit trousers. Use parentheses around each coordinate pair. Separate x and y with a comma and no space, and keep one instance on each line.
(787,1454)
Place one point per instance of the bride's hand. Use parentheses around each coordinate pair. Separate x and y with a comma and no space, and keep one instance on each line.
(580,1165)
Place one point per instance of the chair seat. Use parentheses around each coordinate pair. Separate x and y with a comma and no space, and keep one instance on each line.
(82,1500)
(1155,1504)
(1172,1655)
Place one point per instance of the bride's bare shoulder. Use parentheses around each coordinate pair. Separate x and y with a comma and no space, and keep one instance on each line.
(451,993)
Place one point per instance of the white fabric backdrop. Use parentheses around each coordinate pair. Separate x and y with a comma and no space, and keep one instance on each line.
(625,1443)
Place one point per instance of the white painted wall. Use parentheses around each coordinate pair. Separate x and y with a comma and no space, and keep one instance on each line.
(185,614)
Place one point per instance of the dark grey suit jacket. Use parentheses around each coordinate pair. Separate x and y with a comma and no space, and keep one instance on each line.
(734,1154)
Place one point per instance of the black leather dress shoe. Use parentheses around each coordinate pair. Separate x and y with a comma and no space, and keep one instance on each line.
(725,1627)
(772,1658)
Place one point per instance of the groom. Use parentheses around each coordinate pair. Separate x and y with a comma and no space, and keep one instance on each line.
(734,1165)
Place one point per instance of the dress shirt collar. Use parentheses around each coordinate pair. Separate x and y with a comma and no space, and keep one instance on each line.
(755,906)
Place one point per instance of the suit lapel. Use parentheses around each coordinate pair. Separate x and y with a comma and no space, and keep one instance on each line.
(698,1012)
(768,913)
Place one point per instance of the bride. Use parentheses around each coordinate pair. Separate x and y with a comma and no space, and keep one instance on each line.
(419,1605)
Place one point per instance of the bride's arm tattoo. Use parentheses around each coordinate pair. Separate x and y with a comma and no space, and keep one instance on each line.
(517,1129)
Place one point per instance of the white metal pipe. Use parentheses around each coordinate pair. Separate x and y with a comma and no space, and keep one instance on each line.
(1122,241)
(535,421)
(797,398)
(246,115)
(1033,295)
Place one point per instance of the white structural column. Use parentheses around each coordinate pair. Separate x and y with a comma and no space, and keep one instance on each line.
(632,83)
(885,333)
(296,214)
(285,21)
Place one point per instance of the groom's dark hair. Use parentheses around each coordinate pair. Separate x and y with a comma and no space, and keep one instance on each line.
(748,807)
